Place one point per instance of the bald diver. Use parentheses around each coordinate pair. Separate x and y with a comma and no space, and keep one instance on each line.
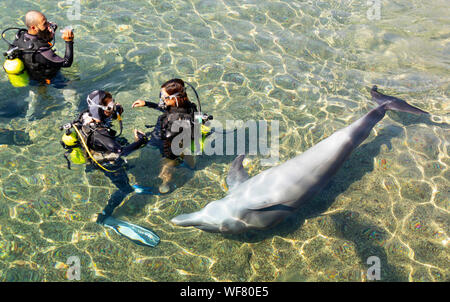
(33,47)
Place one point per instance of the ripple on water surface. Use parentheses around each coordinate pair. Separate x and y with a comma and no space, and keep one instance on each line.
(304,64)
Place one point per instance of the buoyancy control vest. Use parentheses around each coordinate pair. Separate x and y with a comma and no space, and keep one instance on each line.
(76,150)
(185,113)
(32,50)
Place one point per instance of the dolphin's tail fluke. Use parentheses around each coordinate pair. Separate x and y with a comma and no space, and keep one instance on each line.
(393,103)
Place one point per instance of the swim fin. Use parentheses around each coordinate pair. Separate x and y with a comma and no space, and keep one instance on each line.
(135,233)
(145,190)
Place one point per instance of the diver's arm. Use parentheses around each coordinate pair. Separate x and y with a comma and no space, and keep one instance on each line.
(51,56)
(68,57)
(141,140)
(142,103)
(103,141)
(153,106)
(132,147)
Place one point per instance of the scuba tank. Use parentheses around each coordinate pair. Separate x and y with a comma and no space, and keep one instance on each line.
(14,66)
(201,119)
(70,142)
(15,69)
(206,131)
(77,150)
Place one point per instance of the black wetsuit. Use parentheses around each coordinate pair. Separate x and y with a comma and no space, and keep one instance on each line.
(101,138)
(39,59)
(161,136)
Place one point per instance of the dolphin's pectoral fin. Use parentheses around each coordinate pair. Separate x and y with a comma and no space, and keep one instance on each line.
(277,207)
(237,173)
(273,206)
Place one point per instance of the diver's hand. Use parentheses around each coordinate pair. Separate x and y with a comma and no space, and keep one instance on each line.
(138,103)
(139,135)
(68,35)
(119,108)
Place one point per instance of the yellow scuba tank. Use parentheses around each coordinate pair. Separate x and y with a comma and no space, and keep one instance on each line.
(75,155)
(19,80)
(14,66)
(70,140)
(15,69)
(205,131)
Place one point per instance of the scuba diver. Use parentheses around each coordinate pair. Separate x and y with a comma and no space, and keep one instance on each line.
(31,53)
(175,106)
(91,138)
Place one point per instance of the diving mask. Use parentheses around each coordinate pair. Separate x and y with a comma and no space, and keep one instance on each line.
(95,102)
(162,100)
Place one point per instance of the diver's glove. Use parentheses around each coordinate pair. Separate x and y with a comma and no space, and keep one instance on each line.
(142,137)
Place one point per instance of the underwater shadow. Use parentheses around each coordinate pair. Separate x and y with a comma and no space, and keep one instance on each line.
(408,119)
(359,163)
(368,241)
(114,78)
(12,102)
(14,137)
(145,173)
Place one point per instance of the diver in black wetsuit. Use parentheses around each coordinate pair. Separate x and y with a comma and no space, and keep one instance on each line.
(34,47)
(175,106)
(94,126)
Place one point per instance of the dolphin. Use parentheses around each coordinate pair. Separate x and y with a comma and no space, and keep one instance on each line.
(266,199)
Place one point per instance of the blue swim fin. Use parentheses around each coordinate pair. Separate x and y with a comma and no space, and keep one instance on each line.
(135,233)
(145,190)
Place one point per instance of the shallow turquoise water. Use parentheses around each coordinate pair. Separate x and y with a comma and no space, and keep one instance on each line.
(304,63)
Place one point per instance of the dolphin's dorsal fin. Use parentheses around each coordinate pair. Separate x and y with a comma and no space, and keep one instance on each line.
(237,173)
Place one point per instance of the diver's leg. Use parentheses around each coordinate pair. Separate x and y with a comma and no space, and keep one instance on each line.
(166,174)
(32,104)
(189,160)
(121,181)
